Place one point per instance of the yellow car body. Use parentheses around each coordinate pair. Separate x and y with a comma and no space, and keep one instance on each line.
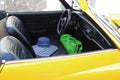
(97,65)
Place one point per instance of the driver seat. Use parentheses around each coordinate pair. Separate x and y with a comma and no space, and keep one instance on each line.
(15,28)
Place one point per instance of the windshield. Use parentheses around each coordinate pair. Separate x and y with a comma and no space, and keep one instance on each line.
(108,25)
(109,9)
(105,6)
(30,5)
(74,4)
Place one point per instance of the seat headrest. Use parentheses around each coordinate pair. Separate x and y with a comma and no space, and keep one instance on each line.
(13,21)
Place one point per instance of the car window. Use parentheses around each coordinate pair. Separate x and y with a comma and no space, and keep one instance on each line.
(30,5)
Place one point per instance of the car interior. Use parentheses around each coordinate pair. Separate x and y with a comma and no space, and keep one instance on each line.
(20,31)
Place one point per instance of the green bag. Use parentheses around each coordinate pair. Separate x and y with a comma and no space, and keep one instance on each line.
(71,44)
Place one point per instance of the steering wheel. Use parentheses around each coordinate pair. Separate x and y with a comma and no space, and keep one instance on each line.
(63,21)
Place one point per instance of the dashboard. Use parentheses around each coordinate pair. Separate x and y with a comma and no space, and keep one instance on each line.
(91,31)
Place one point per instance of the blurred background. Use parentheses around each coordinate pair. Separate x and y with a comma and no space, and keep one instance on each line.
(30,5)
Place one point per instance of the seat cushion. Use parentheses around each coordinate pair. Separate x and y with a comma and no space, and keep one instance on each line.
(12,49)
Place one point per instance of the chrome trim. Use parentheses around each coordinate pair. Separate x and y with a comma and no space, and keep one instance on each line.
(60,57)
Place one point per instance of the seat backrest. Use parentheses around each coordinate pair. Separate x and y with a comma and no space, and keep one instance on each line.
(12,49)
(15,28)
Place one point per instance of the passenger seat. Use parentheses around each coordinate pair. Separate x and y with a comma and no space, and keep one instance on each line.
(15,28)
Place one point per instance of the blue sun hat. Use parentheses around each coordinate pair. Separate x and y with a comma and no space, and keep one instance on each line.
(44,48)
(43,42)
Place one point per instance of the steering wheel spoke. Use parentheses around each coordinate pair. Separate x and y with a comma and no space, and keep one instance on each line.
(63,22)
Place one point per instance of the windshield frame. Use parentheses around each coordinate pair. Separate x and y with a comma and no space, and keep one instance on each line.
(69,4)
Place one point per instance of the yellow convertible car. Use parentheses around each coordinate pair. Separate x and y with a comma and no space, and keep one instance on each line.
(77,41)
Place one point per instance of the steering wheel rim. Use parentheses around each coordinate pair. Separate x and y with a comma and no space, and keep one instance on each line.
(63,21)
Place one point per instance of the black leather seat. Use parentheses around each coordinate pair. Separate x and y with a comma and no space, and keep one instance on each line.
(15,28)
(12,49)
